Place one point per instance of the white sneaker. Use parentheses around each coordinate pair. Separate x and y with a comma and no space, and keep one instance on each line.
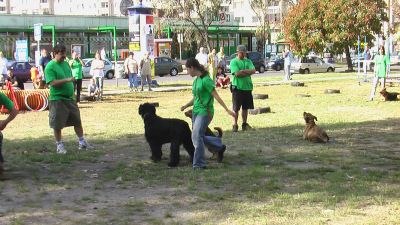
(61,149)
(84,145)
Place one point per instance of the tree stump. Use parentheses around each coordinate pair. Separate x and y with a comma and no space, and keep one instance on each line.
(297,84)
(332,91)
(260,110)
(260,96)
(303,95)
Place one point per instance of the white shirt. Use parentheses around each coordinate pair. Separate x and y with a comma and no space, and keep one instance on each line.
(95,68)
(203,59)
(3,66)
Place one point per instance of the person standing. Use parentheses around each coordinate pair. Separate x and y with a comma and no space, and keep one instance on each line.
(3,65)
(63,109)
(367,61)
(242,86)
(203,90)
(97,71)
(9,105)
(213,63)
(131,68)
(76,66)
(222,59)
(44,60)
(381,69)
(103,53)
(202,57)
(288,58)
(145,70)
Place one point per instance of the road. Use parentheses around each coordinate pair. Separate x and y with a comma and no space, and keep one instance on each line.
(171,79)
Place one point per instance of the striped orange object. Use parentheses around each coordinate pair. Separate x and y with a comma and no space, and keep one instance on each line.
(34,100)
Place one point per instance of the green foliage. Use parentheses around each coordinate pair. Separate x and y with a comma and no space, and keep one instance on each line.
(311,24)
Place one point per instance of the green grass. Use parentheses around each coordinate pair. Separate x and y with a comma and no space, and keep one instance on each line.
(269,175)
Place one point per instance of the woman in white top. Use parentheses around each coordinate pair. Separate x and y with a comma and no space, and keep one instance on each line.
(97,72)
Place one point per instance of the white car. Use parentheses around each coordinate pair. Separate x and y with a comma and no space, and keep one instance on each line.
(311,64)
(108,68)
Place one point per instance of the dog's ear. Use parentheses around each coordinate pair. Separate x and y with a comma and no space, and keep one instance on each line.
(315,118)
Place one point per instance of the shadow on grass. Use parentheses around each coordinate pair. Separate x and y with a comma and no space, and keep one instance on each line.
(359,167)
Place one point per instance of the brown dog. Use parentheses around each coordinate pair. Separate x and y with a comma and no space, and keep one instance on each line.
(209,132)
(312,132)
(389,96)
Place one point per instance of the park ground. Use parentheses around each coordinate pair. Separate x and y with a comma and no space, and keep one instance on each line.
(269,174)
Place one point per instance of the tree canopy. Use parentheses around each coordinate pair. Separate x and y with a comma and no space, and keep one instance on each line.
(313,24)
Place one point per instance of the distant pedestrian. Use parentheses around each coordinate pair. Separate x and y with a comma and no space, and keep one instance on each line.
(63,110)
(76,65)
(103,53)
(381,69)
(97,72)
(9,105)
(367,61)
(3,65)
(202,57)
(288,58)
(145,70)
(131,68)
(213,64)
(242,86)
(222,59)
(44,60)
(15,81)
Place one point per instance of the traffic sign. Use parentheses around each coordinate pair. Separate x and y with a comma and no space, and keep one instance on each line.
(37,31)
(180,38)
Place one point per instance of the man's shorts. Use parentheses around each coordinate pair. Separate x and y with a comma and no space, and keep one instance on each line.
(242,99)
(63,113)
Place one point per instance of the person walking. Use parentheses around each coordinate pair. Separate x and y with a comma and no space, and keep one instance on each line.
(63,109)
(97,71)
(9,105)
(145,70)
(76,66)
(202,57)
(203,90)
(381,69)
(241,70)
(288,58)
(131,68)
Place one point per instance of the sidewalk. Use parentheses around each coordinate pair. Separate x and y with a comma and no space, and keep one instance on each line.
(158,89)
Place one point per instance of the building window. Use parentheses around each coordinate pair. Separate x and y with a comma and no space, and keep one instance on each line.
(104,14)
(2,8)
(43,1)
(104,5)
(254,19)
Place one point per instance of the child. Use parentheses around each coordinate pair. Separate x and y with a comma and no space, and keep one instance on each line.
(222,79)
(93,90)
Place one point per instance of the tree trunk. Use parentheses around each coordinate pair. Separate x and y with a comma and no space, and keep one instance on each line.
(348,59)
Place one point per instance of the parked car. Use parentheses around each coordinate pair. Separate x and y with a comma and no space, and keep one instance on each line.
(311,64)
(21,70)
(108,68)
(166,65)
(256,57)
(276,63)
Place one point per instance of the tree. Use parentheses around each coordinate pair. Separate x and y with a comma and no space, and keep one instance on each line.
(196,14)
(312,24)
(260,8)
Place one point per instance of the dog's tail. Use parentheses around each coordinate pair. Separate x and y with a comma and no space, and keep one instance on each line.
(219,130)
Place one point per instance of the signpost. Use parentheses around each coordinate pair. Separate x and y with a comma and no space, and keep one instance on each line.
(180,40)
(37,31)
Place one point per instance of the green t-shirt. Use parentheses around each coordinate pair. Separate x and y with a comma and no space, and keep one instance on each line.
(57,71)
(203,100)
(76,68)
(381,62)
(242,83)
(4,100)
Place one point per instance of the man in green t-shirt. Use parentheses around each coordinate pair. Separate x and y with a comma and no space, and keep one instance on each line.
(242,86)
(4,100)
(63,110)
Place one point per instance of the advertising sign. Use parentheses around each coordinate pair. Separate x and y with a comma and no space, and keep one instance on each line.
(37,31)
(21,50)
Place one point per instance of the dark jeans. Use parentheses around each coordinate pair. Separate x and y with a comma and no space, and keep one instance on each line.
(78,89)
(1,146)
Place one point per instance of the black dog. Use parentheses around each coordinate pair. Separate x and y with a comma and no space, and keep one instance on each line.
(159,131)
(389,96)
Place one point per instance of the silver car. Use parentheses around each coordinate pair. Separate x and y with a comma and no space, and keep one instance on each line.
(311,64)
(108,68)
